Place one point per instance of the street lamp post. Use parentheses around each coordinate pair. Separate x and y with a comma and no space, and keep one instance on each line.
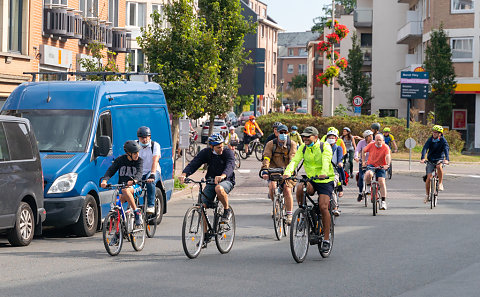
(332,87)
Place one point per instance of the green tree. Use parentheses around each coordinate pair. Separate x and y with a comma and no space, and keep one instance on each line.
(319,22)
(185,58)
(299,81)
(95,62)
(242,103)
(353,81)
(438,61)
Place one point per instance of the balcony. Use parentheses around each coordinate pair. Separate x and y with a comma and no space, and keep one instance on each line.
(55,21)
(410,33)
(363,18)
(120,42)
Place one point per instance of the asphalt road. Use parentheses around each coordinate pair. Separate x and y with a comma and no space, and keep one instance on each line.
(407,250)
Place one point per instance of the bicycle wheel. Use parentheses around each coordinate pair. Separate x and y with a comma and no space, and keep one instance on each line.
(299,235)
(390,171)
(190,152)
(286,227)
(374,194)
(365,198)
(113,233)
(433,186)
(259,151)
(243,154)
(331,238)
(238,161)
(138,235)
(193,233)
(151,220)
(225,233)
(277,217)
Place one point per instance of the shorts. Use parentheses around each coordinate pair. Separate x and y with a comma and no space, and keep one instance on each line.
(289,183)
(247,138)
(431,166)
(378,172)
(209,192)
(323,188)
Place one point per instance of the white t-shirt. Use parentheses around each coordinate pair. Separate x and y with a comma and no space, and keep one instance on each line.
(147,156)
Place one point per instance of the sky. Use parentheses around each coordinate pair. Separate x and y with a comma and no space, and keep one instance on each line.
(295,15)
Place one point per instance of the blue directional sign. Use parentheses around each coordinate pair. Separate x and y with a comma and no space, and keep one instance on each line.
(414,91)
(357,109)
(415,75)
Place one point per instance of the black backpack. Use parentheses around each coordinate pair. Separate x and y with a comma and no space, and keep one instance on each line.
(152,143)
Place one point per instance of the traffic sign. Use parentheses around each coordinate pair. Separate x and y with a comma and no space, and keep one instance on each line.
(410,143)
(357,110)
(414,75)
(414,91)
(357,101)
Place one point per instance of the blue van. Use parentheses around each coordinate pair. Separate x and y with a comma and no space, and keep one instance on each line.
(80,127)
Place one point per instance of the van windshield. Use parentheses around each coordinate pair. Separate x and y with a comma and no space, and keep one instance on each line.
(58,130)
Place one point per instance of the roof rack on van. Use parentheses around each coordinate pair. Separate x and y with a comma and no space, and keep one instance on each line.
(84,74)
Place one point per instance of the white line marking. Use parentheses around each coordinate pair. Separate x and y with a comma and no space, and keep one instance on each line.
(464,175)
(244,170)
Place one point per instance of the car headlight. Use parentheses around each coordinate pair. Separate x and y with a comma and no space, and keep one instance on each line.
(64,183)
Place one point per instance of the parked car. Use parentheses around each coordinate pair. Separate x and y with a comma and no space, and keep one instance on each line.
(219,126)
(243,118)
(301,110)
(81,127)
(231,119)
(21,182)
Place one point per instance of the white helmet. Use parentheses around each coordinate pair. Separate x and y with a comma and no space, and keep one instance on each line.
(367,133)
(231,128)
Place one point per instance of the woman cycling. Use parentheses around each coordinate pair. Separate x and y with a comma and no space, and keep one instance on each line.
(349,140)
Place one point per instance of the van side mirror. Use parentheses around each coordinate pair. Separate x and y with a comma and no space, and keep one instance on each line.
(103,146)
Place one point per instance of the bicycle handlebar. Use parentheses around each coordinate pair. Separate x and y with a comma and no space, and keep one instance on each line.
(305,179)
(209,181)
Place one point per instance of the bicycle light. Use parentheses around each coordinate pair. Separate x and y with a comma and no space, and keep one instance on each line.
(64,183)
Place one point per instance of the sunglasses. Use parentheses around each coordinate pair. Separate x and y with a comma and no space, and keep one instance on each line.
(283,132)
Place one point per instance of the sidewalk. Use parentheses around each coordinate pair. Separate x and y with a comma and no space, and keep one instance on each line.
(451,169)
(187,191)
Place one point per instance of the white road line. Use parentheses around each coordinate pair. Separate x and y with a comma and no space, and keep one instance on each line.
(243,170)
(464,175)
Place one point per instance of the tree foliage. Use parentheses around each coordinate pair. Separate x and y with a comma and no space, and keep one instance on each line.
(319,22)
(95,62)
(299,81)
(242,103)
(353,81)
(438,61)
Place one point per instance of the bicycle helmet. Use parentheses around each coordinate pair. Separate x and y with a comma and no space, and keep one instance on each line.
(437,128)
(215,139)
(143,131)
(131,146)
(333,132)
(386,129)
(347,129)
(231,128)
(276,125)
(331,128)
(252,117)
(294,128)
(375,126)
(282,128)
(367,133)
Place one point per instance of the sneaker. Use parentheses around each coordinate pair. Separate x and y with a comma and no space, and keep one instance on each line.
(426,199)
(336,212)
(383,205)
(360,197)
(138,217)
(114,240)
(325,246)
(151,209)
(440,187)
(367,190)
(288,220)
(227,215)
(340,194)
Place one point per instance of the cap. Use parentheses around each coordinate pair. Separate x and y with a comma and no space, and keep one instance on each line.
(309,131)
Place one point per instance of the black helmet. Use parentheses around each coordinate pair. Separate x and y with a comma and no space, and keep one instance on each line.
(375,126)
(131,146)
(276,124)
(143,131)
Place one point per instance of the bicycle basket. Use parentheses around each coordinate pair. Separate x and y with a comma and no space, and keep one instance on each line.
(240,146)
(275,174)
(234,143)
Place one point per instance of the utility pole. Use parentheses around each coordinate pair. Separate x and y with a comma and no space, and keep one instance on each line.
(332,87)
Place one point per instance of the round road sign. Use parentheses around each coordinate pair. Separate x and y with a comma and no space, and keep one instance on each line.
(410,143)
(357,101)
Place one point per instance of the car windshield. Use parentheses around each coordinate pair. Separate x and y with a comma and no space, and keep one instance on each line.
(247,113)
(58,130)
(216,123)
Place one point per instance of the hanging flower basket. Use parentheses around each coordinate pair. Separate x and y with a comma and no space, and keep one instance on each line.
(328,24)
(342,63)
(323,79)
(333,38)
(332,71)
(336,55)
(323,46)
(341,30)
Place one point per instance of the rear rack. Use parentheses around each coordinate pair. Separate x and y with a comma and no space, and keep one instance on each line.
(84,74)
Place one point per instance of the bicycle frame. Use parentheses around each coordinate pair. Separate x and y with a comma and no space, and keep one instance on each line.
(203,209)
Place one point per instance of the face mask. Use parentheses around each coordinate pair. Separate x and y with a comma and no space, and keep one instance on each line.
(144,144)
(311,144)
(331,140)
(253,121)
(379,146)
(282,137)
(214,152)
(435,139)
(294,132)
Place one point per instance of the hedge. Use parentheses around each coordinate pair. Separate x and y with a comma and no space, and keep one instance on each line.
(359,124)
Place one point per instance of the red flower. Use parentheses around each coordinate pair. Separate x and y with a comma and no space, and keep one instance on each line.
(323,46)
(333,38)
(336,55)
(341,31)
(342,63)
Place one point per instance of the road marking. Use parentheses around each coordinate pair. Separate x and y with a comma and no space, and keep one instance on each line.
(464,175)
(243,170)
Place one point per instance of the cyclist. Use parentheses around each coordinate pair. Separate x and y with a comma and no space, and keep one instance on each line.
(277,154)
(317,160)
(221,163)
(367,139)
(337,157)
(295,136)
(379,156)
(250,132)
(349,141)
(438,150)
(275,132)
(375,127)
(389,139)
(339,142)
(232,138)
(129,167)
(150,154)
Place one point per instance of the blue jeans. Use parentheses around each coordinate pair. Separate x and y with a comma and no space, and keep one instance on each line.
(361,172)
(151,189)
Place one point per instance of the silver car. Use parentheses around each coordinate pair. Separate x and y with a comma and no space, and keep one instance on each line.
(219,126)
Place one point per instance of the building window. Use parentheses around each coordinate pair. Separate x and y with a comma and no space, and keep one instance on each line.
(274,58)
(264,12)
(113,12)
(290,68)
(161,11)
(302,69)
(15,16)
(136,61)
(57,2)
(263,31)
(302,52)
(274,36)
(274,80)
(136,14)
(290,52)
(366,40)
(462,6)
(89,8)
(462,49)
(388,113)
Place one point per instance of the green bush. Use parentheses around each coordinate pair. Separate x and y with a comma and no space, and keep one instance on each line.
(359,124)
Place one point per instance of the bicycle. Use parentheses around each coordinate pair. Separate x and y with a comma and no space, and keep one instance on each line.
(433,194)
(390,171)
(279,211)
(374,192)
(194,235)
(307,227)
(193,147)
(254,146)
(234,144)
(119,224)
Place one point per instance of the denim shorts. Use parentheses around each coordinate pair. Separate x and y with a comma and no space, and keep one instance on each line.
(323,188)
(430,167)
(209,192)
(378,172)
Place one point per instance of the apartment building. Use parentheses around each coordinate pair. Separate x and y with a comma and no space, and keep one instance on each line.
(52,35)
(292,57)
(265,38)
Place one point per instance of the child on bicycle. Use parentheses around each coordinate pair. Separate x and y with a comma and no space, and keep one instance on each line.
(232,139)
(129,167)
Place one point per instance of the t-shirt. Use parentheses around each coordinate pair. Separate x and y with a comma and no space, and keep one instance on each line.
(388,139)
(377,156)
(146,154)
(127,169)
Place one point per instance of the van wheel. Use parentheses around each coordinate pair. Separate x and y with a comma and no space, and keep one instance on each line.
(87,223)
(161,207)
(22,232)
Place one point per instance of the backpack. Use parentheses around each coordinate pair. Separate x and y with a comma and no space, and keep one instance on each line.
(152,143)
(289,146)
